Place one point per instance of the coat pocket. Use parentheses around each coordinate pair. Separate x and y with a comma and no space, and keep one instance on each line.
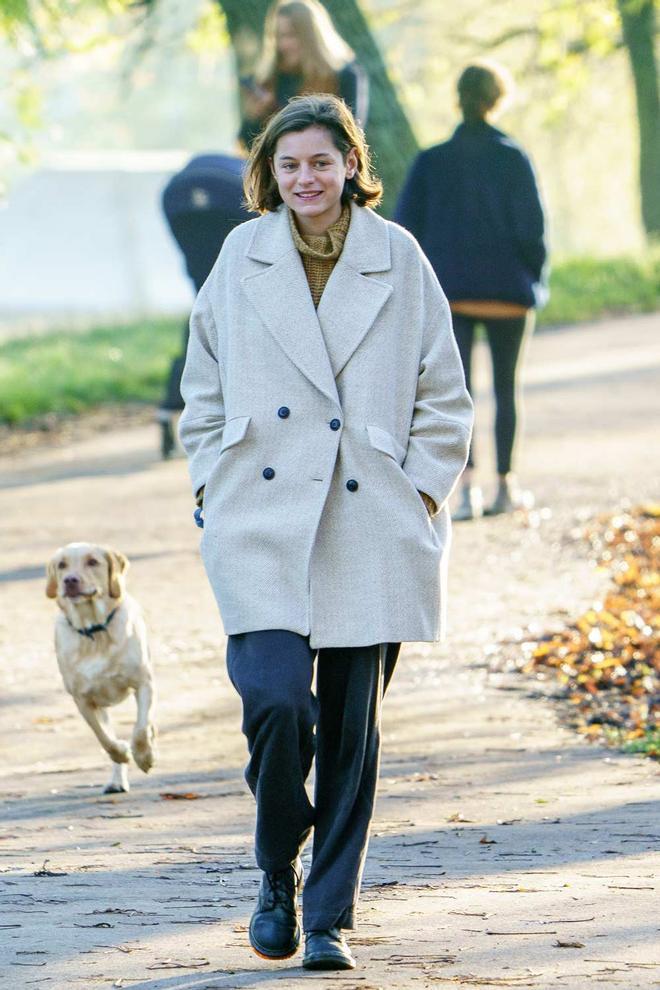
(234,431)
(384,442)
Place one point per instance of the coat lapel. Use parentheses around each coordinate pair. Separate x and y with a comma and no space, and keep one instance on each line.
(281,296)
(351,301)
(319,343)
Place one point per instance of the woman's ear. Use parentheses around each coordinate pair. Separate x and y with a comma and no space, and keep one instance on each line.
(351,163)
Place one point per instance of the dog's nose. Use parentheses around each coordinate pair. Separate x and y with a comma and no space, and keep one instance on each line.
(71,581)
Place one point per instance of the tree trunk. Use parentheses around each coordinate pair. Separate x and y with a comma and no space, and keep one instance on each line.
(638,21)
(388,130)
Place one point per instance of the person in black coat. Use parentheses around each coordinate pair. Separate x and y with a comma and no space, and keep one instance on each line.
(302,53)
(202,203)
(474,206)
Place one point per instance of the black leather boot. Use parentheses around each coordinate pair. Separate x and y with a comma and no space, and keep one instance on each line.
(274,926)
(327,950)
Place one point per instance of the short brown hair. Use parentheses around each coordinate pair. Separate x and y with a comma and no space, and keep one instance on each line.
(301,112)
(481,86)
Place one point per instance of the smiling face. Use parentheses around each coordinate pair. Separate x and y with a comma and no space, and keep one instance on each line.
(310,172)
(82,571)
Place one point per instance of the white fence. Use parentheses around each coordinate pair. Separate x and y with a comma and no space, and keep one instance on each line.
(84,238)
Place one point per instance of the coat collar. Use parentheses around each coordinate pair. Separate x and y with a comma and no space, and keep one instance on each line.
(319,343)
(480,130)
(367,247)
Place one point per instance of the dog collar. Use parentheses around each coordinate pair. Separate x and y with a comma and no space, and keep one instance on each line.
(89,631)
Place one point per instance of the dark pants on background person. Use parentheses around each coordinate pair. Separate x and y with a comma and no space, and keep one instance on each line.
(272,671)
(505,337)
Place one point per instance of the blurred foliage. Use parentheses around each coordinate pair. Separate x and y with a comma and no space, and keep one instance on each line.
(608,659)
(42,32)
(68,372)
(210,34)
(132,86)
(574,110)
(586,288)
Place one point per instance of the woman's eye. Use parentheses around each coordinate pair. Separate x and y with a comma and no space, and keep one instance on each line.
(322,164)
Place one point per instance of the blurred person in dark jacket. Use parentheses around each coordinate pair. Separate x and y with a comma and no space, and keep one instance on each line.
(474,206)
(202,203)
(302,53)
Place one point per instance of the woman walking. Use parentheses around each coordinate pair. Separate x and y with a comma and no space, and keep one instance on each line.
(474,206)
(326,423)
(302,53)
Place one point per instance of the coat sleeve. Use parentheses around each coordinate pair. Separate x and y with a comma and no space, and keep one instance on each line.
(441,426)
(412,206)
(203,418)
(529,219)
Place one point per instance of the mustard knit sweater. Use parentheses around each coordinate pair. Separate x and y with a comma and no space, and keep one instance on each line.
(319,252)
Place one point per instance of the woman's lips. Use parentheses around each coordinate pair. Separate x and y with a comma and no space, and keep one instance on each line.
(309,195)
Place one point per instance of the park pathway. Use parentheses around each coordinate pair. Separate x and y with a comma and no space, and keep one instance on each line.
(506,851)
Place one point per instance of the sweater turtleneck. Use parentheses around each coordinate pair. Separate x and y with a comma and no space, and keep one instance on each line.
(319,252)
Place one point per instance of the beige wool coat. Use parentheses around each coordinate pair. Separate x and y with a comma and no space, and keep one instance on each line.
(314,431)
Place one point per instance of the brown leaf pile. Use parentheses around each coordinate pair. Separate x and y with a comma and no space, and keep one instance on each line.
(609,658)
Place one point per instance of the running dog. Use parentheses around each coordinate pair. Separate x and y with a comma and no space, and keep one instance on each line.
(102,651)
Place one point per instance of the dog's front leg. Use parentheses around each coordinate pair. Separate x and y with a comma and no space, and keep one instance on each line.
(117,749)
(144,732)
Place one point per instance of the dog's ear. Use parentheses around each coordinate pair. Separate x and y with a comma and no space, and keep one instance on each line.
(51,580)
(117,567)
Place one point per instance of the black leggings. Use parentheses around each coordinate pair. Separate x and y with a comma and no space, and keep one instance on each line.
(505,338)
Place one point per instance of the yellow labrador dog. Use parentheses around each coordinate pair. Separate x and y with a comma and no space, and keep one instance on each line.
(102,651)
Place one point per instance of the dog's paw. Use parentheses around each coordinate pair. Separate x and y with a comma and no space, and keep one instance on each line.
(142,747)
(118,783)
(119,752)
(113,788)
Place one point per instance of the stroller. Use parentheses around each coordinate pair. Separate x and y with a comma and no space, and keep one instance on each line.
(202,203)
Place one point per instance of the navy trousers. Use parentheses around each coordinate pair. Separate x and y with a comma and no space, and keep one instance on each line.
(286,725)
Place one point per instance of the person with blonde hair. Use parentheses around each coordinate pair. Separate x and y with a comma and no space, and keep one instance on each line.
(326,423)
(474,206)
(302,53)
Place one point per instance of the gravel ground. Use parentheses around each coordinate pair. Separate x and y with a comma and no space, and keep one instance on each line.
(506,852)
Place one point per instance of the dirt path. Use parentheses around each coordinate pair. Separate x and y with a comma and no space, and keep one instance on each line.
(498,834)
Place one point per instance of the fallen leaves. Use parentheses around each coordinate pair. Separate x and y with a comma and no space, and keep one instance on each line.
(608,659)
(180,796)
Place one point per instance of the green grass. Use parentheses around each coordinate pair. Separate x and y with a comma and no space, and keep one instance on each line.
(647,745)
(68,372)
(65,372)
(587,288)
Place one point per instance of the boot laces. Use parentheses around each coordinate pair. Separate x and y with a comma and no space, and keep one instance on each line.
(282,888)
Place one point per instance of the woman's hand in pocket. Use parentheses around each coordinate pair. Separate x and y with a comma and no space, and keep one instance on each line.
(429,504)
